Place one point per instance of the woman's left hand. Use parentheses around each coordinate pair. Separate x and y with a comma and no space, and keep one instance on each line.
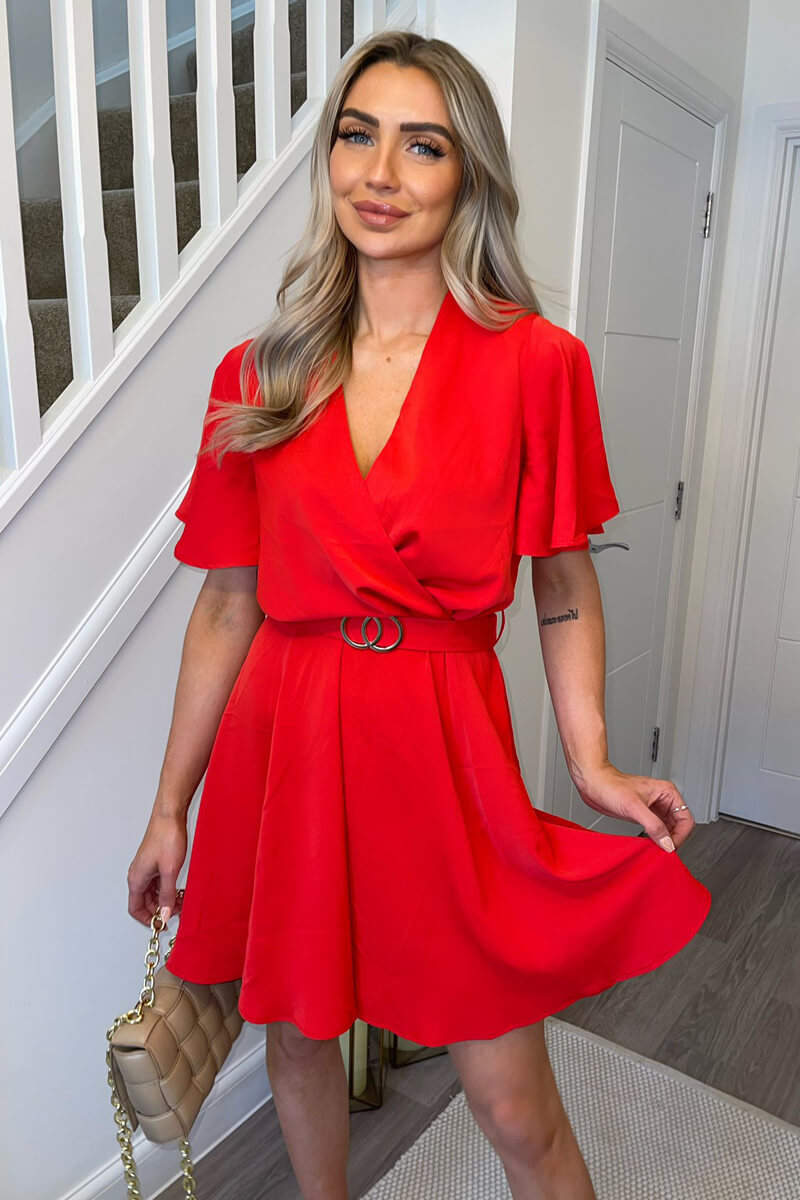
(639,798)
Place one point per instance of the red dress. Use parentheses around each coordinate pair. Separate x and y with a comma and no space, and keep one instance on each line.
(365,845)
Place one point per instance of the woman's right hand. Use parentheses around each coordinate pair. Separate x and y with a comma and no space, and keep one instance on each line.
(155,867)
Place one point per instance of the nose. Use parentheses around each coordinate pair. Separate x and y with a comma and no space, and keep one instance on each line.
(382,168)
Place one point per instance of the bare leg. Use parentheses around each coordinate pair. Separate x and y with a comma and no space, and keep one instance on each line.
(511,1091)
(309,1087)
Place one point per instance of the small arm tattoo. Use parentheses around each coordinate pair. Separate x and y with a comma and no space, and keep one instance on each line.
(570,615)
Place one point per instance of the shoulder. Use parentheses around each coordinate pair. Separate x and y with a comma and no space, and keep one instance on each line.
(227,374)
(544,335)
(535,338)
(549,350)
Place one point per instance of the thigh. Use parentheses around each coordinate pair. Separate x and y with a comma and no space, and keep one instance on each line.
(508,1080)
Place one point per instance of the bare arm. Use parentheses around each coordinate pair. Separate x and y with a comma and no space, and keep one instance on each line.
(572,634)
(224,621)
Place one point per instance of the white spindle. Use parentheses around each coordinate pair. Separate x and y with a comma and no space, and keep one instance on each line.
(368,17)
(85,250)
(153,170)
(20,427)
(216,116)
(323,40)
(272,69)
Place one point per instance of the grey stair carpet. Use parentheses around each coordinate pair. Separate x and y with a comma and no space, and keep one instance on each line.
(646,1132)
(42,223)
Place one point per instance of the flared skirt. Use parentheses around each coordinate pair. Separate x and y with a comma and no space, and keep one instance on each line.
(365,846)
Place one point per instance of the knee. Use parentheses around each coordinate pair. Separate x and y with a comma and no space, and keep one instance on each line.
(285,1039)
(517,1127)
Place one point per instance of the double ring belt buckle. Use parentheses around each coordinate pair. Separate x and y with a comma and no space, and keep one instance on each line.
(368,642)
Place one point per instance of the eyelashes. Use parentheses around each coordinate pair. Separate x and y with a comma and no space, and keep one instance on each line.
(347,134)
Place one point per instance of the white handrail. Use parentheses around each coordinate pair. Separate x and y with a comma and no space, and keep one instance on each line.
(153,170)
(85,249)
(20,428)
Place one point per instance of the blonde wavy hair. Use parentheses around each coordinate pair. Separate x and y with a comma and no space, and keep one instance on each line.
(305,352)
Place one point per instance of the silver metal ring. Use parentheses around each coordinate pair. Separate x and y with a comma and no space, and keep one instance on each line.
(371,642)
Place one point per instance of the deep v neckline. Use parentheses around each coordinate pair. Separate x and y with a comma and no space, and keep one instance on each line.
(413,387)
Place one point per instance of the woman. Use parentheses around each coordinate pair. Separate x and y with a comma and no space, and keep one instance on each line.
(395,440)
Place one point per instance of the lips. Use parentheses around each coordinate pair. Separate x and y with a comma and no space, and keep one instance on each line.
(386,209)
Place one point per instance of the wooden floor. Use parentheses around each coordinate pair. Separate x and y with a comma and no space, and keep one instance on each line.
(726,1010)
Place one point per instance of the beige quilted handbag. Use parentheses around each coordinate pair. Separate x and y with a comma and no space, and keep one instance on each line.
(163,1056)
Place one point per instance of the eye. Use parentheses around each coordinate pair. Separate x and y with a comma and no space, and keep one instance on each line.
(347,134)
(432,150)
(437,153)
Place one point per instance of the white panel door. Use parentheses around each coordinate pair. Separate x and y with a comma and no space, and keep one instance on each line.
(761,771)
(647,245)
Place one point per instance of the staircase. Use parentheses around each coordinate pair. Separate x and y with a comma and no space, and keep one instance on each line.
(42,228)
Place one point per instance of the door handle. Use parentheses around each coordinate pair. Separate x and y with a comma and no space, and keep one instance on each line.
(593,549)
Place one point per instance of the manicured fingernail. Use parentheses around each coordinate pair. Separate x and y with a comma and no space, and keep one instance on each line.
(164,913)
(667,843)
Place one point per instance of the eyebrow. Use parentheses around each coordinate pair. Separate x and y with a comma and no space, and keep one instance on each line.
(406,126)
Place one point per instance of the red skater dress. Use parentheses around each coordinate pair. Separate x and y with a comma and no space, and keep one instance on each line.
(365,845)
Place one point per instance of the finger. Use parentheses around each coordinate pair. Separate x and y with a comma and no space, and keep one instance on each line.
(143,902)
(139,907)
(166,895)
(681,825)
(657,829)
(678,820)
(667,804)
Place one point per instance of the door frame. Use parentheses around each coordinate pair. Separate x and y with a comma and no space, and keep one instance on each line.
(687,684)
(758,230)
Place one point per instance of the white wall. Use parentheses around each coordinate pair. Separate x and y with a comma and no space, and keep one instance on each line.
(67,840)
(709,36)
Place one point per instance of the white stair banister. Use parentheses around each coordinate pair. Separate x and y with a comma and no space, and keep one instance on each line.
(85,249)
(153,170)
(20,427)
(216,114)
(323,38)
(272,75)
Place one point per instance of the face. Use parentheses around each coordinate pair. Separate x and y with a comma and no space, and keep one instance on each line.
(413,175)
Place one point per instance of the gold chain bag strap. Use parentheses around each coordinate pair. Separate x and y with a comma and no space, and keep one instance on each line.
(164,1054)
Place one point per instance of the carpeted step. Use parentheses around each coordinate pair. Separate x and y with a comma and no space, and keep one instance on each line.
(242,48)
(242,44)
(51,342)
(51,345)
(42,240)
(43,233)
(115,131)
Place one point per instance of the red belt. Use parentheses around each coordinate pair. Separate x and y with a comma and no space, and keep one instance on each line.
(383,632)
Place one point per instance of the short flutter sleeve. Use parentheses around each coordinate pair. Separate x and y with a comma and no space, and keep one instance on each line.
(565,487)
(220,507)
